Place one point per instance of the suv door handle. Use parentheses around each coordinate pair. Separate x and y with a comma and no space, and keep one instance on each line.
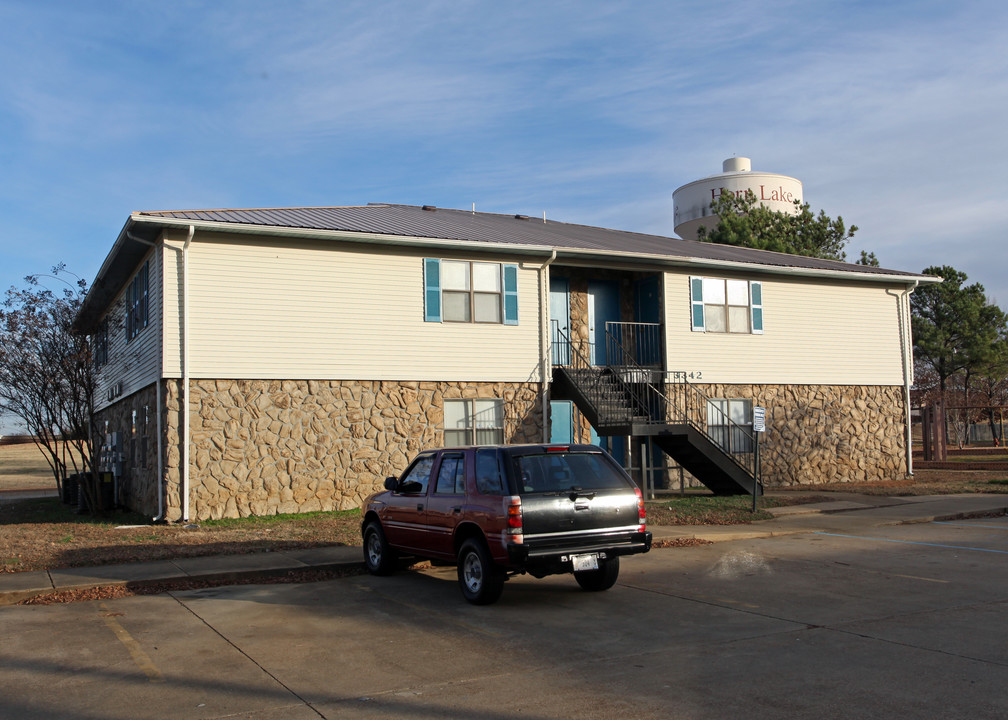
(457,509)
(419,506)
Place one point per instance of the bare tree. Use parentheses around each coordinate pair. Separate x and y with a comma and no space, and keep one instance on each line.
(47,377)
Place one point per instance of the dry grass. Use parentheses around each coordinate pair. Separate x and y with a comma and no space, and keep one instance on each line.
(43,534)
(24,467)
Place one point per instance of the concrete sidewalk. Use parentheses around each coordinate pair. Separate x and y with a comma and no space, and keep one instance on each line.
(849,513)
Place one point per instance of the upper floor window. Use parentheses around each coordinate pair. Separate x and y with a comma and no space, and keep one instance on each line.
(100,345)
(136,302)
(464,291)
(726,306)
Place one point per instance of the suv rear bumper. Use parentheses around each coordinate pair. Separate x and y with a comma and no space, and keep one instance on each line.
(553,559)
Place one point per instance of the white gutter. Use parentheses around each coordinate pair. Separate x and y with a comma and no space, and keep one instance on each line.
(906,350)
(185,374)
(544,338)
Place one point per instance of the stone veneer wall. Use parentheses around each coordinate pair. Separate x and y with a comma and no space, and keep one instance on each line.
(827,433)
(138,483)
(262,447)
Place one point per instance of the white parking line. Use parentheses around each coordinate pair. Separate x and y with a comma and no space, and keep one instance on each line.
(915,542)
(971,525)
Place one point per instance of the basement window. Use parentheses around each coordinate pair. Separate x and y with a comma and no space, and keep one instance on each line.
(473,422)
(729,423)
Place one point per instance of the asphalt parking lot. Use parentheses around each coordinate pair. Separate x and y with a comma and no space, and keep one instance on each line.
(899,621)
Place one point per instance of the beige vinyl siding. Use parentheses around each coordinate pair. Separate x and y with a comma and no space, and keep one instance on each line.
(134,363)
(815,332)
(275,309)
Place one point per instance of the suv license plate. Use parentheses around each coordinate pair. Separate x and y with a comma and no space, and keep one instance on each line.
(584,562)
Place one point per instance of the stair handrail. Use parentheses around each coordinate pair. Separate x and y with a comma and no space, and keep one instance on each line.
(695,403)
(605,388)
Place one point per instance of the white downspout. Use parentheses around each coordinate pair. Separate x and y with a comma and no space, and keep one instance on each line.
(906,350)
(544,364)
(185,374)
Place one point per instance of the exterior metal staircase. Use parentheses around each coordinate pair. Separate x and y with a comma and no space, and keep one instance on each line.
(625,398)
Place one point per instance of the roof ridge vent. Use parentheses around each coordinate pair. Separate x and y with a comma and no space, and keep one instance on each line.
(521,217)
(429,208)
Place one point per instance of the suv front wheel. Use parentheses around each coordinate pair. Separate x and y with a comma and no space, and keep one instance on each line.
(479,578)
(379,558)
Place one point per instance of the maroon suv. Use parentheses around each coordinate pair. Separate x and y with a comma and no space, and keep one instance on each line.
(502,510)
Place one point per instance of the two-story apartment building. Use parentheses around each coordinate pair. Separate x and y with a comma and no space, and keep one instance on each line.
(285,360)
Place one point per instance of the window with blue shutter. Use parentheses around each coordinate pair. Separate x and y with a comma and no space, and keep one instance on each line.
(756,306)
(463,291)
(432,290)
(720,305)
(510,294)
(696,303)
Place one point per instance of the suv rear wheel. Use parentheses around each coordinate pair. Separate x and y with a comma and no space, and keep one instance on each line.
(479,578)
(601,579)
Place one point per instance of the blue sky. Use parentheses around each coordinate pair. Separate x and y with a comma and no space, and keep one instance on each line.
(893,114)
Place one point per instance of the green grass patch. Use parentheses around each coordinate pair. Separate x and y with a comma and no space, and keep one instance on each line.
(976,458)
(1003,481)
(710,510)
(266,521)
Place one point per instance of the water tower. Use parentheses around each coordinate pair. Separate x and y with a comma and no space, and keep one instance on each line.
(692,202)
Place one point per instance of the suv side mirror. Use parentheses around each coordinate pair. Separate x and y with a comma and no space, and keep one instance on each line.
(391,483)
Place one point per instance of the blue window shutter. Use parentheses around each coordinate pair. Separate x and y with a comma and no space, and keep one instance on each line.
(696,303)
(756,306)
(432,290)
(510,294)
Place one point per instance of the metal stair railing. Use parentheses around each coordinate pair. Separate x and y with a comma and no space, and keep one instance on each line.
(612,397)
(697,409)
(640,343)
(687,405)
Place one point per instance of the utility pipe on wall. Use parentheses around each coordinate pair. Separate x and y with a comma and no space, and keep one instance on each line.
(185,374)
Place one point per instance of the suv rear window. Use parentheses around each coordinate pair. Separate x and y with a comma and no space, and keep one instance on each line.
(562,471)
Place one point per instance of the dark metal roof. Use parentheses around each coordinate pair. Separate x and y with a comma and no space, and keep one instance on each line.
(492,228)
(408,223)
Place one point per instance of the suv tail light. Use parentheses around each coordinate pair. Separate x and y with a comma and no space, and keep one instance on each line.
(640,510)
(514,517)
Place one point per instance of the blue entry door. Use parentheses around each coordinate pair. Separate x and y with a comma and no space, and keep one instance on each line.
(561,421)
(603,307)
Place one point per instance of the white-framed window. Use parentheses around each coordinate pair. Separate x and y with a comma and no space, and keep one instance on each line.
(136,302)
(729,423)
(467,291)
(726,305)
(474,421)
